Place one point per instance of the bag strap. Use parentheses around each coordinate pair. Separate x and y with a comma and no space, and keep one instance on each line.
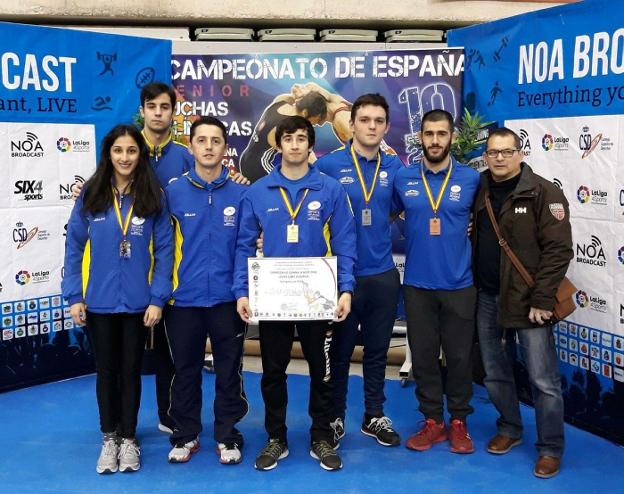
(503,243)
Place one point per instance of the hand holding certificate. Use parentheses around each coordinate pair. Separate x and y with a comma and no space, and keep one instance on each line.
(293,288)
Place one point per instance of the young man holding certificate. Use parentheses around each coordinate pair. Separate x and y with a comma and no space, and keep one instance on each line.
(437,196)
(302,213)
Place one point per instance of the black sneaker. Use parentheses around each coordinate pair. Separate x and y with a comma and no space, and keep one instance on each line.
(325,453)
(269,455)
(381,429)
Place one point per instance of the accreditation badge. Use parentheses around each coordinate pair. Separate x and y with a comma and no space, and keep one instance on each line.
(434,226)
(367,217)
(292,234)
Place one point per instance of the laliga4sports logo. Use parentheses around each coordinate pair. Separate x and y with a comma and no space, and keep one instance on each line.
(594,302)
(621,254)
(65,145)
(598,197)
(558,143)
(22,277)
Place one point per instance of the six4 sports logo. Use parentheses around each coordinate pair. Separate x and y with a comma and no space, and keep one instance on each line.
(29,190)
(597,197)
(593,301)
(589,142)
(26,146)
(591,253)
(65,190)
(554,142)
(22,235)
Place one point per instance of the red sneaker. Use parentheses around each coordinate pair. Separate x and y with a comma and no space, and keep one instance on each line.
(460,439)
(430,434)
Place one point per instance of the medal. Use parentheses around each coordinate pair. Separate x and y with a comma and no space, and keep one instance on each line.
(435,228)
(367,217)
(125,248)
(292,230)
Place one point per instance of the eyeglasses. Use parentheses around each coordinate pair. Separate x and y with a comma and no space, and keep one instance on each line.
(507,153)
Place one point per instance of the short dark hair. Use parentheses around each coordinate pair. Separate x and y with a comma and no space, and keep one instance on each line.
(208,121)
(504,132)
(155,89)
(290,125)
(314,103)
(437,116)
(374,99)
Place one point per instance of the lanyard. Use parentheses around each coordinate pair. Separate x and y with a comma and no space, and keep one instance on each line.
(367,194)
(122,224)
(435,205)
(293,214)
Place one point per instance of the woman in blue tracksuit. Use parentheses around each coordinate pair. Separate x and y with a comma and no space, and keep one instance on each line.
(118,262)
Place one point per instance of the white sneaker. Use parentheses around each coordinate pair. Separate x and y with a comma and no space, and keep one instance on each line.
(107,461)
(229,453)
(181,453)
(129,455)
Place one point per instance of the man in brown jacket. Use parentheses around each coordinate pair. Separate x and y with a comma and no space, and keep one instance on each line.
(534,219)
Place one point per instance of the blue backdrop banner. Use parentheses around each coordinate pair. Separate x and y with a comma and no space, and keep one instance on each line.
(61,90)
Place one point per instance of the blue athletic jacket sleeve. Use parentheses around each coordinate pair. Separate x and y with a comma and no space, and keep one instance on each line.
(75,241)
(162,245)
(248,232)
(342,240)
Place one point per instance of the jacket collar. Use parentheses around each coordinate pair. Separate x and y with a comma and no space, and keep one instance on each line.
(347,150)
(197,181)
(313,178)
(156,151)
(527,182)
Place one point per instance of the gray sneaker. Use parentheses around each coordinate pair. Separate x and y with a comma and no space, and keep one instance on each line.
(107,461)
(129,455)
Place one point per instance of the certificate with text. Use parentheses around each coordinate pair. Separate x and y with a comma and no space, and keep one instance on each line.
(293,288)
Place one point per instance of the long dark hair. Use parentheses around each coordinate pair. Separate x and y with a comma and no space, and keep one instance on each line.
(98,195)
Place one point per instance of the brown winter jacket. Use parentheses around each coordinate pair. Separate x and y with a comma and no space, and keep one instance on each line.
(535,221)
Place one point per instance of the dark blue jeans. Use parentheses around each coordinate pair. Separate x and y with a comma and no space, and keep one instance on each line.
(538,348)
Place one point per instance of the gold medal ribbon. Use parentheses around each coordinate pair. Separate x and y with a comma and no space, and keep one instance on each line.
(293,214)
(366,193)
(435,205)
(122,224)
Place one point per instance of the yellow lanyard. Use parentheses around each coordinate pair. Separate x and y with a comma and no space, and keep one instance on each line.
(435,205)
(122,224)
(293,214)
(367,194)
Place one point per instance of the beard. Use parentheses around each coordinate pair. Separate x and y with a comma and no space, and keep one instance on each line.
(437,159)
